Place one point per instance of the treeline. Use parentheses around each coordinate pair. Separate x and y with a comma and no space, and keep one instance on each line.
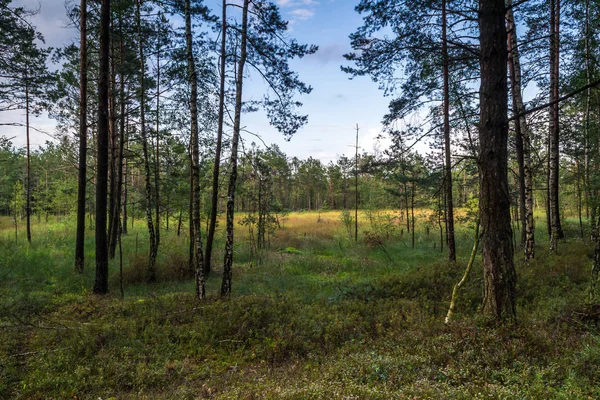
(270,181)
(266,176)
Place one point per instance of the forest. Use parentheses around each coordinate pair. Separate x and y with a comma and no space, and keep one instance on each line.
(156,247)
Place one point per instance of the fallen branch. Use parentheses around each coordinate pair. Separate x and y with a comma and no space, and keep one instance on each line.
(460,284)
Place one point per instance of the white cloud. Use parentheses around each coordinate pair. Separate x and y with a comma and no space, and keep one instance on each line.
(296,3)
(298,10)
(302,14)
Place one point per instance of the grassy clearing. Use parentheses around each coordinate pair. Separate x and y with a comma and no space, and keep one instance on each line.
(315,316)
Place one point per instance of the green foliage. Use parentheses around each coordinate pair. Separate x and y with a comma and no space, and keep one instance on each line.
(323,318)
(348,222)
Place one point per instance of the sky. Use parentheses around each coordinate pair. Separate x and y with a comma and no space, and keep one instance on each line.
(335,106)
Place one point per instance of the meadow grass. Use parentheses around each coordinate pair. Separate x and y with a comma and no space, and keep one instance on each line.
(315,315)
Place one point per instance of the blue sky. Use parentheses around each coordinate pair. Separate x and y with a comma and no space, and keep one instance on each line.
(334,107)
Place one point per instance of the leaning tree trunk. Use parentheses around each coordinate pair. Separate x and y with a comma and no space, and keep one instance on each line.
(553,125)
(151,231)
(101,283)
(195,155)
(228,262)
(522,139)
(496,231)
(448,155)
(215,184)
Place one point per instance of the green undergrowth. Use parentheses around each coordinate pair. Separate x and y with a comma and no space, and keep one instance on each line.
(336,321)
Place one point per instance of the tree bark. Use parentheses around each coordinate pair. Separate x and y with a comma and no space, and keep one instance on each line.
(412,211)
(228,261)
(115,232)
(151,231)
(447,150)
(157,149)
(522,139)
(113,211)
(215,184)
(356,189)
(28,188)
(101,282)
(590,194)
(556,231)
(195,155)
(496,231)
(126,172)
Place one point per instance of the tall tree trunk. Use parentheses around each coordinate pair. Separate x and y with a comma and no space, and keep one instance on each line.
(157,149)
(412,212)
(15,217)
(126,173)
(579,197)
(195,153)
(496,235)
(356,188)
(522,139)
(113,211)
(115,232)
(101,283)
(447,150)
(406,205)
(192,251)
(228,261)
(590,194)
(553,136)
(28,189)
(215,184)
(151,231)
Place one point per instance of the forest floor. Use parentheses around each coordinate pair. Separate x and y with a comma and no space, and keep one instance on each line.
(315,315)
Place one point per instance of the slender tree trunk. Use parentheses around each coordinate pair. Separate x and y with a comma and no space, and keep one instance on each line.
(579,197)
(215,184)
(496,231)
(28,188)
(440,223)
(554,128)
(548,206)
(228,261)
(179,224)
(15,219)
(113,211)
(406,206)
(412,211)
(356,189)
(464,278)
(522,139)
(192,257)
(126,173)
(143,134)
(590,194)
(511,29)
(195,153)
(157,149)
(101,283)
(447,150)
(115,233)
(595,267)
